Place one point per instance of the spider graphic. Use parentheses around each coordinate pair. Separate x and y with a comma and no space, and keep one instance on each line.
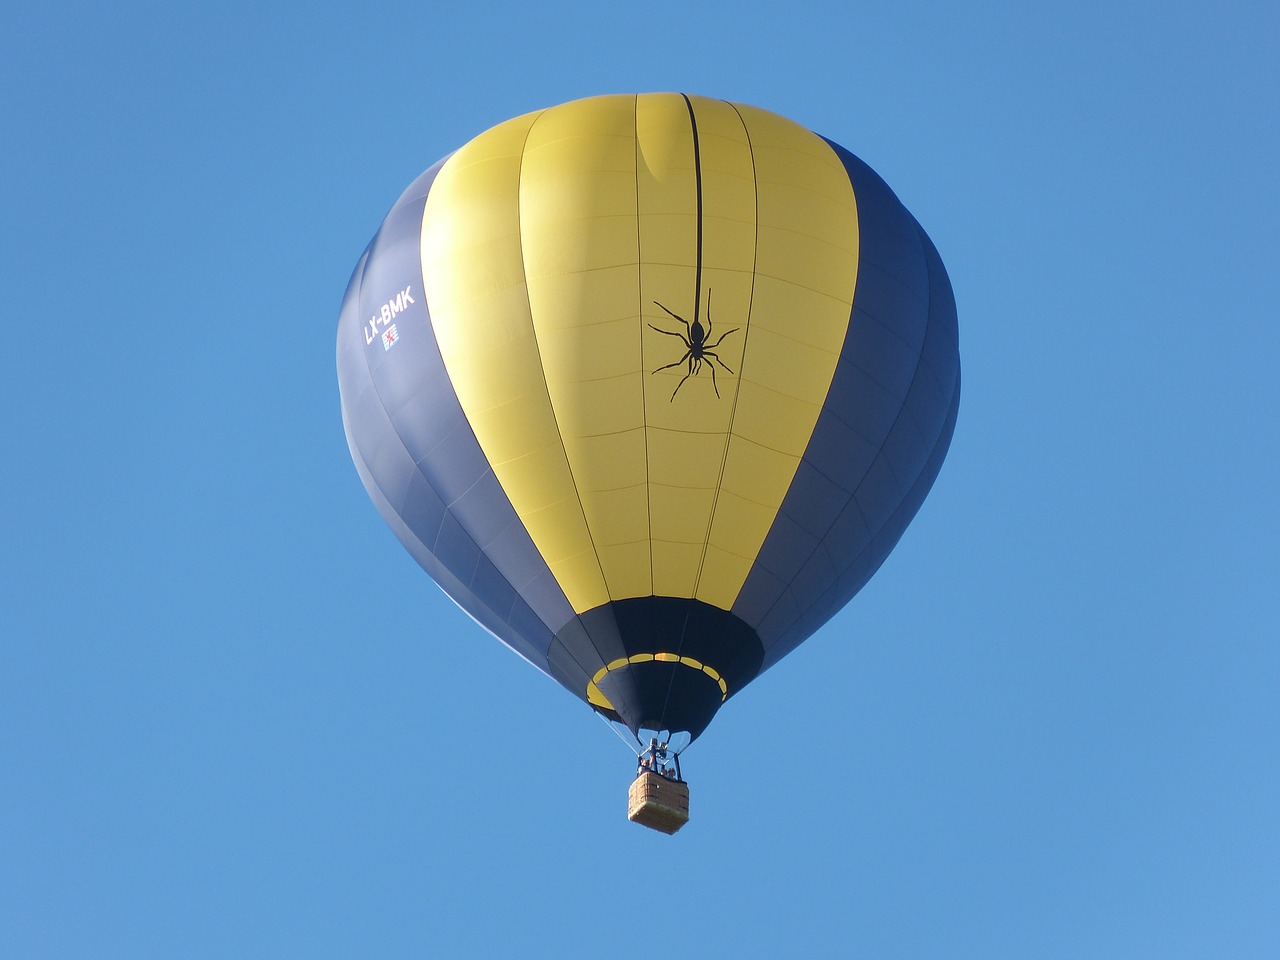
(696,348)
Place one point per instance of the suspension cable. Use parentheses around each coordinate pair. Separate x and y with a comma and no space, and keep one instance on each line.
(609,723)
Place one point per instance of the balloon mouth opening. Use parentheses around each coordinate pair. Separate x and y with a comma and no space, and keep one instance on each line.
(596,697)
(662,693)
(657,662)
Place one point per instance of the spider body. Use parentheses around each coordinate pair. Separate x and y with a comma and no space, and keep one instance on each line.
(697,347)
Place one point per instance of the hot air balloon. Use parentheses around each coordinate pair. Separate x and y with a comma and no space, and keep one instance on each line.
(650,385)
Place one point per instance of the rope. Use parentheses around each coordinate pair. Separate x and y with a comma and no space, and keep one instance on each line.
(609,723)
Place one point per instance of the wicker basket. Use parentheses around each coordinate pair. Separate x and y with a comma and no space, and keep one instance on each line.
(658,802)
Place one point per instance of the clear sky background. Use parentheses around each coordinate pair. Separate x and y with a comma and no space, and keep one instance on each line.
(236,720)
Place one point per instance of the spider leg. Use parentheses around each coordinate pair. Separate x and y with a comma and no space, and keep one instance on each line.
(678,317)
(678,386)
(708,337)
(671,333)
(712,368)
(708,353)
(687,355)
(712,346)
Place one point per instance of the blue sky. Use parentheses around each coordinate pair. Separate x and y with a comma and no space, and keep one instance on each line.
(236,720)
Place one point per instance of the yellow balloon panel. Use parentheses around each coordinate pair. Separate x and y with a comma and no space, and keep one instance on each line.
(474,275)
(578,228)
(587,270)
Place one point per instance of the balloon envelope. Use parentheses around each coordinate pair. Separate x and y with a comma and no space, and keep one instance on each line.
(650,385)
